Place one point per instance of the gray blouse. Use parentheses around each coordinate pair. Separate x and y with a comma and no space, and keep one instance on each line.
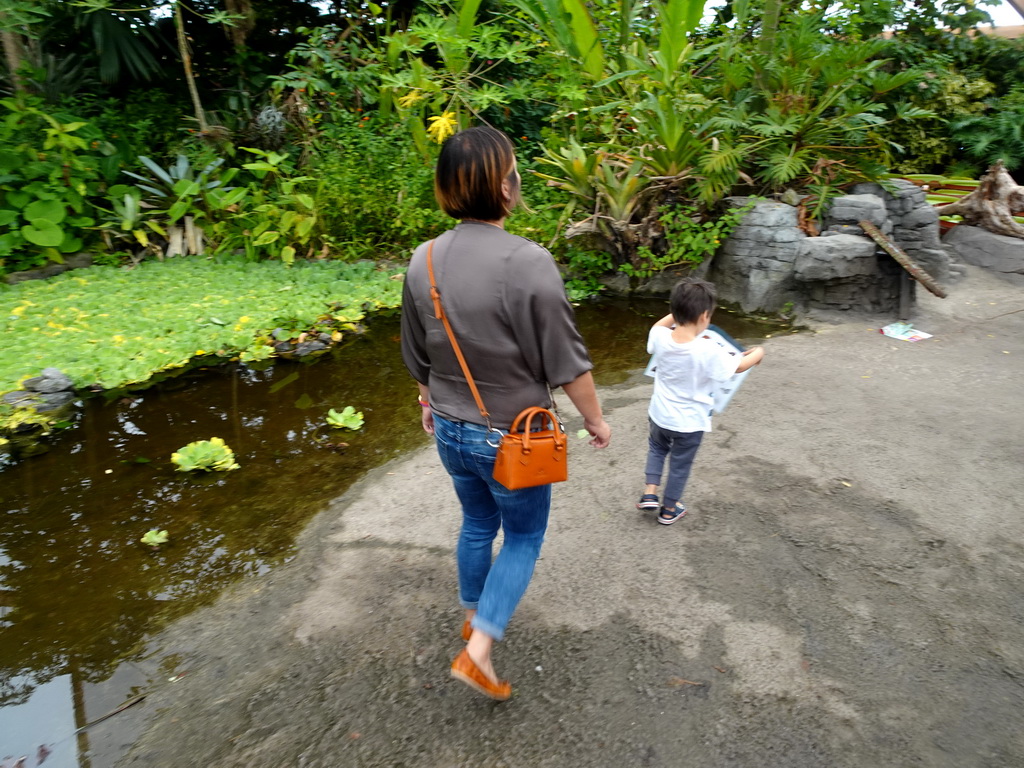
(507,306)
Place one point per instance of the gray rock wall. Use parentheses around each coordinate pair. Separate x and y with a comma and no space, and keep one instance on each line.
(768,261)
(915,226)
(754,268)
(987,249)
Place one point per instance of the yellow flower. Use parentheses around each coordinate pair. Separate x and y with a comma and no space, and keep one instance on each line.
(18,310)
(119,339)
(441,126)
(409,99)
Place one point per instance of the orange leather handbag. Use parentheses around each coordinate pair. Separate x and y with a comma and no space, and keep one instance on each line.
(532,455)
(527,458)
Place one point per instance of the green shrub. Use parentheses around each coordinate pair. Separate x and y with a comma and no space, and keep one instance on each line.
(690,237)
(997,135)
(375,193)
(49,180)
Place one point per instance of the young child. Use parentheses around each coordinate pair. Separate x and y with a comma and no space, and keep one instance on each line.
(687,369)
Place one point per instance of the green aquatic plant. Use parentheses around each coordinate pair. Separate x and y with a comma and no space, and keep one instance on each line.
(168,313)
(207,455)
(154,538)
(349,418)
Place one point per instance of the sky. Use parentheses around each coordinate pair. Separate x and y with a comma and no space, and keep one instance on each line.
(1005,15)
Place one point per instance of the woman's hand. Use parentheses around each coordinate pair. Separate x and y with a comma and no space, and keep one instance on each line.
(583,394)
(600,431)
(428,420)
(427,417)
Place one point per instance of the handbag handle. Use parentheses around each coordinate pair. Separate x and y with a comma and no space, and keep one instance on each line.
(526,418)
(439,313)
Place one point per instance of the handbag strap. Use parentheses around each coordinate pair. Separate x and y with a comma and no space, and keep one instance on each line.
(439,313)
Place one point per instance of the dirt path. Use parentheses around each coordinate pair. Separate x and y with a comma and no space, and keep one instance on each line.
(847,590)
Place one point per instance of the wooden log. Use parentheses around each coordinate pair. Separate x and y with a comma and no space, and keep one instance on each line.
(992,204)
(902,258)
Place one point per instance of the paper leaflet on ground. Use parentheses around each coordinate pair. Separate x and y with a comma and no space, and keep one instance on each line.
(903,332)
(724,391)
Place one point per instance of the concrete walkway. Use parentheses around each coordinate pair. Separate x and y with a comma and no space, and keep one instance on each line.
(846,591)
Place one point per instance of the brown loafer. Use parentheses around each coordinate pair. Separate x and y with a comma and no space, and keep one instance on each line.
(465,670)
(467,630)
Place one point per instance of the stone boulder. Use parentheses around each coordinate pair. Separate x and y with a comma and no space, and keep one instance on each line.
(847,210)
(49,381)
(914,226)
(839,256)
(309,348)
(78,261)
(754,268)
(975,245)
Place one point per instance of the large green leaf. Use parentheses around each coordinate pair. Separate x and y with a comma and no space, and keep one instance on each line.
(123,46)
(7,217)
(467,17)
(267,237)
(9,242)
(71,245)
(10,160)
(43,233)
(18,199)
(585,32)
(157,171)
(51,210)
(678,19)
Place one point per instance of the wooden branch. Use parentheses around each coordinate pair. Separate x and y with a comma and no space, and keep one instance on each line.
(902,258)
(992,204)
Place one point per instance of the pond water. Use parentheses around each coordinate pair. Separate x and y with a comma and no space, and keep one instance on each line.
(81,598)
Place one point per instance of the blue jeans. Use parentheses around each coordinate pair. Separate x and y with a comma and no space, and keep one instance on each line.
(680,448)
(493,589)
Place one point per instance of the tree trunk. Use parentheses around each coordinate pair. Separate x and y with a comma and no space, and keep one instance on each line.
(992,205)
(240,29)
(14,53)
(186,61)
(770,25)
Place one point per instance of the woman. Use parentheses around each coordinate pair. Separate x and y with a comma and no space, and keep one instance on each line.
(506,303)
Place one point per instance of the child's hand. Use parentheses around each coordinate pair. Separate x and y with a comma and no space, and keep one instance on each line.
(753,356)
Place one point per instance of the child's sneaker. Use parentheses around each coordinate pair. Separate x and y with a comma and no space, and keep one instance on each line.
(648,501)
(668,516)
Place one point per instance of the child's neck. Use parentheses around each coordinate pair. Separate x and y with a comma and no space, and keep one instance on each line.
(682,334)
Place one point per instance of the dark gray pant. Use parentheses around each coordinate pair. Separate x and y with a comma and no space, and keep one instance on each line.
(680,448)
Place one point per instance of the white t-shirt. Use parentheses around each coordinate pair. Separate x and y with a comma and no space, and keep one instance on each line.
(684,380)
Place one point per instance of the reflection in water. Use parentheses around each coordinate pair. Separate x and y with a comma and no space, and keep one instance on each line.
(80,596)
(33,724)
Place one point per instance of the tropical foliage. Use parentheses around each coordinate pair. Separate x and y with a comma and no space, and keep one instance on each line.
(129,133)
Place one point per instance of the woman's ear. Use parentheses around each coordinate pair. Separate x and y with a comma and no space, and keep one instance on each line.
(510,187)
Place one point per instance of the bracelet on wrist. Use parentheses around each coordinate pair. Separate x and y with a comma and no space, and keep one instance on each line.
(423,403)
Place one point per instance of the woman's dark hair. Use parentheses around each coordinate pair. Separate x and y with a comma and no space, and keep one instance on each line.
(691,298)
(470,170)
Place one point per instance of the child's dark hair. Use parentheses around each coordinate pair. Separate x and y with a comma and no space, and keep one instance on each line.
(690,299)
